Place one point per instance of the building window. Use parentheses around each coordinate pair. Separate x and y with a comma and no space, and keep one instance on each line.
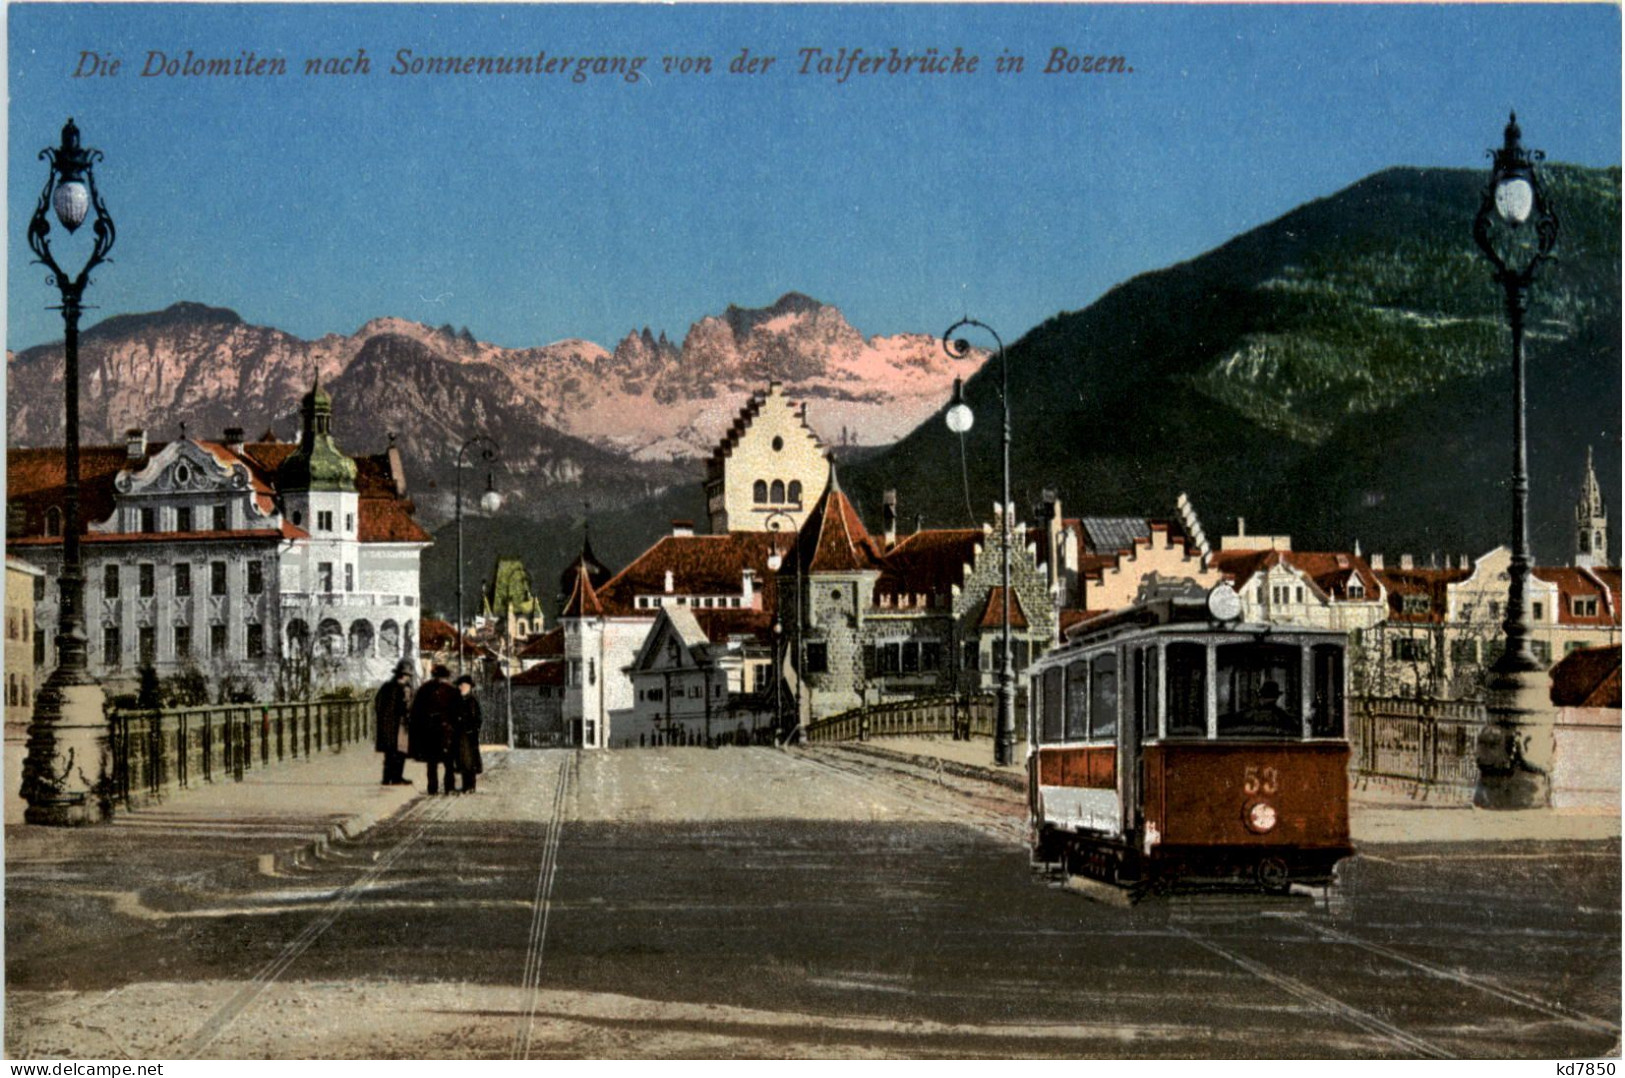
(39,649)
(256,577)
(324,576)
(1539,611)
(817,658)
(758,492)
(146,644)
(222,519)
(1356,591)
(1415,604)
(110,582)
(1463,651)
(183,642)
(183,580)
(1572,645)
(1585,606)
(53,522)
(324,520)
(1300,595)
(1542,651)
(349,522)
(149,520)
(144,580)
(217,578)
(256,640)
(795,491)
(973,655)
(1408,649)
(112,648)
(592,672)
(183,520)
(39,588)
(777,497)
(217,641)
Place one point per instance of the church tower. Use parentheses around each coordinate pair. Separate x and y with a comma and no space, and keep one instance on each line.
(1590,521)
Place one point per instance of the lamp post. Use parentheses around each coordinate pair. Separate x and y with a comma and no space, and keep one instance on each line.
(490,501)
(66,736)
(960,418)
(1516,229)
(774,561)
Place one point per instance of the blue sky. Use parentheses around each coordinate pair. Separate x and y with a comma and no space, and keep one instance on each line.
(532,208)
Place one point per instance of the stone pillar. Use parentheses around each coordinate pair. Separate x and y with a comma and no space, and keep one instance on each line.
(65,774)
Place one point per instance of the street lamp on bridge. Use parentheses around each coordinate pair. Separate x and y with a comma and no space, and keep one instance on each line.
(1516,229)
(959,418)
(63,768)
(490,501)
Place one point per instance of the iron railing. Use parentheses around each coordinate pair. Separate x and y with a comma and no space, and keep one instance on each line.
(1430,745)
(957,716)
(152,753)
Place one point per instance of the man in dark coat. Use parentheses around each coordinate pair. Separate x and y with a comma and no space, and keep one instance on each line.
(390,707)
(468,761)
(435,712)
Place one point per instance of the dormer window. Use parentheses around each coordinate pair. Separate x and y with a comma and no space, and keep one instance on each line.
(1356,591)
(1584,606)
(1415,604)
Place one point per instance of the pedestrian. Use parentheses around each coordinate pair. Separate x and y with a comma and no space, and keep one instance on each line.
(435,711)
(390,707)
(468,762)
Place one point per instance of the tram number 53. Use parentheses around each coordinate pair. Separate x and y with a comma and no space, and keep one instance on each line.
(1259,780)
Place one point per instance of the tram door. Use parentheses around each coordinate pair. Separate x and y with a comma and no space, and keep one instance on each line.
(1138,716)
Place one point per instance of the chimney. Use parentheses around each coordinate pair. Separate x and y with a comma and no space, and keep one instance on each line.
(888,513)
(747,588)
(1241,526)
(682,528)
(671,582)
(135,444)
(1375,561)
(234,439)
(1407,562)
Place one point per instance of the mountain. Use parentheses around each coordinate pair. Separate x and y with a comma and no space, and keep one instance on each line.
(1340,374)
(649,399)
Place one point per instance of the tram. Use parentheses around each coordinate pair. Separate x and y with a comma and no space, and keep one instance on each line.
(1172,744)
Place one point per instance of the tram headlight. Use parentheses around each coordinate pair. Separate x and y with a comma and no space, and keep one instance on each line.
(1259,817)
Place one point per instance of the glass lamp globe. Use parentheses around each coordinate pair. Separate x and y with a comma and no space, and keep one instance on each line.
(960,418)
(774,560)
(1514,200)
(71,201)
(490,501)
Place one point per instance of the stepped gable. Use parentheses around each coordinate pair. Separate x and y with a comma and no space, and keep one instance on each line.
(583,601)
(699,565)
(993,612)
(747,415)
(1587,677)
(834,540)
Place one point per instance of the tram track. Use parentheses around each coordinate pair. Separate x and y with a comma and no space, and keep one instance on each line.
(541,908)
(948,800)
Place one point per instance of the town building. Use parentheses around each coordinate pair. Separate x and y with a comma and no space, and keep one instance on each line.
(274,569)
(701,675)
(509,610)
(768,467)
(25,587)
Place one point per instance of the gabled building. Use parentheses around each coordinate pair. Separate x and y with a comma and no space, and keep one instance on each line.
(769,463)
(700,676)
(275,569)
(508,608)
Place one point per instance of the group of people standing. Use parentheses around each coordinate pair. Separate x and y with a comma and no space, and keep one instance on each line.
(438,724)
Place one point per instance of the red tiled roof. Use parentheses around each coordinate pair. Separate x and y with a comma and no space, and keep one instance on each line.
(389,520)
(719,625)
(583,601)
(993,612)
(1575,583)
(833,539)
(1429,582)
(1587,677)
(1330,571)
(699,565)
(550,673)
(928,562)
(549,645)
(1071,617)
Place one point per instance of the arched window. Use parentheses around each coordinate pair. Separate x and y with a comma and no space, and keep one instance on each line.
(759,491)
(778,491)
(389,639)
(298,637)
(361,638)
(53,522)
(795,491)
(330,638)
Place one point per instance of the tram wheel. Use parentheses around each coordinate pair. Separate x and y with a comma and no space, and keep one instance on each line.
(1273,876)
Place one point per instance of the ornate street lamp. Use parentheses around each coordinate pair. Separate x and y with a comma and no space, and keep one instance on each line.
(1516,229)
(67,733)
(959,419)
(490,501)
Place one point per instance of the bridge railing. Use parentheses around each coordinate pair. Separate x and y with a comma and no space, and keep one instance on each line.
(956,716)
(1431,745)
(153,753)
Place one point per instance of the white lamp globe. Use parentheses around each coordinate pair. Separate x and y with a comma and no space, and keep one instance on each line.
(490,501)
(1514,200)
(960,418)
(71,202)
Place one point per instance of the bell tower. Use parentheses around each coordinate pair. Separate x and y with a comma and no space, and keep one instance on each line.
(1590,521)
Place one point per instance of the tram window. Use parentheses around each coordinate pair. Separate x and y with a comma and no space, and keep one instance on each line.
(1054,703)
(1147,696)
(1258,690)
(1187,690)
(1103,697)
(1077,701)
(1326,706)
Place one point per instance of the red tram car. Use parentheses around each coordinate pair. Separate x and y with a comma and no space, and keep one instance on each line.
(1170,743)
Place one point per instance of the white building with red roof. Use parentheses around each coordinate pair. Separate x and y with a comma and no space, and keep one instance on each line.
(275,569)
